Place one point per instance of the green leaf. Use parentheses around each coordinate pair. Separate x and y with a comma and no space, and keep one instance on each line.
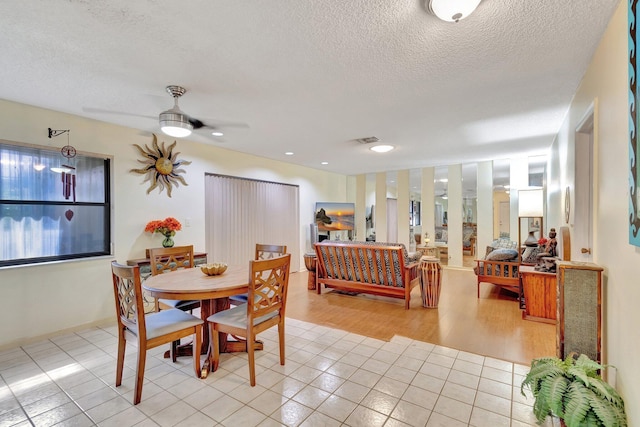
(555,388)
(577,404)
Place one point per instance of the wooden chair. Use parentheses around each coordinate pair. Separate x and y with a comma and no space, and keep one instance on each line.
(171,259)
(262,252)
(150,330)
(269,251)
(165,260)
(268,284)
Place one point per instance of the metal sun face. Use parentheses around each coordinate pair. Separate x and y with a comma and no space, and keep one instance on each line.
(162,166)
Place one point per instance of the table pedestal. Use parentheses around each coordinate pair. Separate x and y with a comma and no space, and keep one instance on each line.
(430,281)
(209,307)
(310,263)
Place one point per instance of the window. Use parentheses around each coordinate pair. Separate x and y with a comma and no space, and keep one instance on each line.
(51,207)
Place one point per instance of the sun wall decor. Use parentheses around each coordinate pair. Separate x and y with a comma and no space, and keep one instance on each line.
(162,166)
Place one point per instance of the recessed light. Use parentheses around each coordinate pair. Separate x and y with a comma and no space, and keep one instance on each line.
(217,133)
(289,153)
(382,148)
(324,163)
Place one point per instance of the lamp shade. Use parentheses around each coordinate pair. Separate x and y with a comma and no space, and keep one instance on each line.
(530,203)
(452,10)
(175,123)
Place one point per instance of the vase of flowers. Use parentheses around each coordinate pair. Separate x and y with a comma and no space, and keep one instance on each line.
(167,227)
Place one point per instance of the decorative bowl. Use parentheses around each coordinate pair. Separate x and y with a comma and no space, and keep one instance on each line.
(214,269)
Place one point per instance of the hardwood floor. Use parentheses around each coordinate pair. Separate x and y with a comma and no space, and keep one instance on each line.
(491,325)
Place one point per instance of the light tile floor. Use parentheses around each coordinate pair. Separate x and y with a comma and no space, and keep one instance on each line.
(331,378)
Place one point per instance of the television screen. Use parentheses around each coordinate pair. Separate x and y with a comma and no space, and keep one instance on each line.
(332,216)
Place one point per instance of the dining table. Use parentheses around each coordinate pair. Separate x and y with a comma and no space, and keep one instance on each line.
(213,292)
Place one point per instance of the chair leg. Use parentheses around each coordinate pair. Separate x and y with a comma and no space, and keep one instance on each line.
(214,347)
(197,344)
(122,345)
(281,340)
(174,350)
(142,359)
(252,359)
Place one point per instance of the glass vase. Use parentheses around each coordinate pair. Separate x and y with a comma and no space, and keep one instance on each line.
(168,241)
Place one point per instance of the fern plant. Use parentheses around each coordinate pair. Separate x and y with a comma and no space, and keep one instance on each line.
(573,391)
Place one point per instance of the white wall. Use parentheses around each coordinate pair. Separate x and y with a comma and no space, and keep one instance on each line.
(39,300)
(605,83)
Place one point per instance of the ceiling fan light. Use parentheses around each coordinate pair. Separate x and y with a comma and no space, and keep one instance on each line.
(452,10)
(175,123)
(382,148)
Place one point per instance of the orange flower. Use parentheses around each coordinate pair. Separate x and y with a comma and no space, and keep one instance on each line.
(167,226)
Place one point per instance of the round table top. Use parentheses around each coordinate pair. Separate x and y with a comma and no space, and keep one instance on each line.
(192,283)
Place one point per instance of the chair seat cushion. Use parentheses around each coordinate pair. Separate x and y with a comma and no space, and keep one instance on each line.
(239,299)
(180,304)
(168,321)
(237,317)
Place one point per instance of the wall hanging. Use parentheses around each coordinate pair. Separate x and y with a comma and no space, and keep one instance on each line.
(634,149)
(162,166)
(67,170)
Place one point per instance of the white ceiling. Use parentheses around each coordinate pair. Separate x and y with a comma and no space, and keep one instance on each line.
(312,76)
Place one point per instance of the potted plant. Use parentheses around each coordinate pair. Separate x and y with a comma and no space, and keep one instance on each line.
(573,391)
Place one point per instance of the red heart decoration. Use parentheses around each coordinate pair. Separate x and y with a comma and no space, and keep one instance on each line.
(68,214)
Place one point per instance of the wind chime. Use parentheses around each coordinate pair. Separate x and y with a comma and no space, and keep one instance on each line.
(68,171)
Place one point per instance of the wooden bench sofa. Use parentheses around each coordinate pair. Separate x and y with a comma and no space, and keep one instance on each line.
(383,269)
(500,266)
(505,274)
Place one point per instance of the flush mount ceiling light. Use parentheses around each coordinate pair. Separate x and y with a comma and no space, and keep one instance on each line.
(174,122)
(452,10)
(382,148)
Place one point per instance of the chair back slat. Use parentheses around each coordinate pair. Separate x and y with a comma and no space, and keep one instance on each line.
(264,251)
(268,283)
(163,260)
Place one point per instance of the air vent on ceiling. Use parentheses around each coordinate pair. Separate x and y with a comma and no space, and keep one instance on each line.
(368,140)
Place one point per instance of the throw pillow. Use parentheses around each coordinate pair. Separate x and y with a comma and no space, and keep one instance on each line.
(504,243)
(530,255)
(502,254)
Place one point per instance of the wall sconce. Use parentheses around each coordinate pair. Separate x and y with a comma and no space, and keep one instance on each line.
(452,10)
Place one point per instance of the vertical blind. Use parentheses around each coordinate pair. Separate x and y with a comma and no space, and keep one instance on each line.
(241,212)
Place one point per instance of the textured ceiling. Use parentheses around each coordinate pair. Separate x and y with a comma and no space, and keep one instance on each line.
(312,76)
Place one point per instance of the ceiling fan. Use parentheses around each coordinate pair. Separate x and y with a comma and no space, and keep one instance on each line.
(175,122)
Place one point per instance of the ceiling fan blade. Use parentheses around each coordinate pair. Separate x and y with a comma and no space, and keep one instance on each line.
(122,113)
(216,124)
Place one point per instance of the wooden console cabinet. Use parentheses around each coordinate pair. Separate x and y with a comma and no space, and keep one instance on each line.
(579,327)
(539,290)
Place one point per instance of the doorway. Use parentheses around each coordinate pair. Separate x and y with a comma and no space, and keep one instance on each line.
(503,218)
(583,195)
